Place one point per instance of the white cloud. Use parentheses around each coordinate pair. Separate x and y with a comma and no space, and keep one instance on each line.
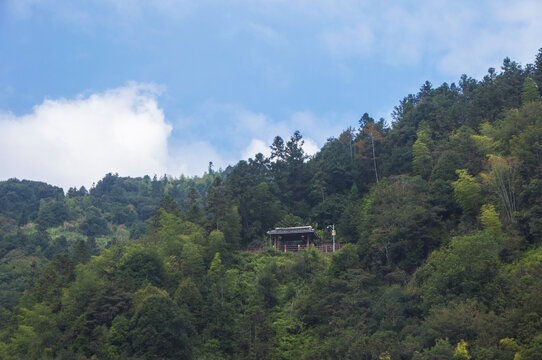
(310,147)
(256,146)
(320,128)
(315,131)
(74,142)
(253,122)
(457,37)
(514,30)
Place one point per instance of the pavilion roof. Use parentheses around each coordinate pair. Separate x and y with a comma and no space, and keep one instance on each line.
(293,230)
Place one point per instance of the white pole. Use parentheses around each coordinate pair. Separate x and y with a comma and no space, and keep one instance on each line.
(333,234)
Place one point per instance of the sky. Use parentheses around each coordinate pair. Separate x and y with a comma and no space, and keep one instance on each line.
(140,87)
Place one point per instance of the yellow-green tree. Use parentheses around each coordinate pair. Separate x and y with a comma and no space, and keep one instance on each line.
(529,92)
(461,352)
(421,159)
(467,193)
(502,179)
(490,219)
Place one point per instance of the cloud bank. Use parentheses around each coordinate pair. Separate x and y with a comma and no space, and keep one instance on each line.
(75,142)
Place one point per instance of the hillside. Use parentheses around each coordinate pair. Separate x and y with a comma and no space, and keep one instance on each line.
(439,215)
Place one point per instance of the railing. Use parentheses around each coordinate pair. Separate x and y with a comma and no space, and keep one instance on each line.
(327,248)
(324,248)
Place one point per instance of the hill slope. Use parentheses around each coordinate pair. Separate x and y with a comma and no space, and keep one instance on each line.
(440,216)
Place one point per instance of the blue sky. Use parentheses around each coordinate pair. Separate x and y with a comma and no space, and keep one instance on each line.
(165,86)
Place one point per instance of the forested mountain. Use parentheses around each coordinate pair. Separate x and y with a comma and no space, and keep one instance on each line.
(439,214)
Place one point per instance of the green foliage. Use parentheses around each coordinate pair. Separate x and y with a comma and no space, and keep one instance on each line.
(290,345)
(188,294)
(503,179)
(399,227)
(529,92)
(158,328)
(21,200)
(81,254)
(410,282)
(459,271)
(348,222)
(216,244)
(232,228)
(328,211)
(192,205)
(268,286)
(467,193)
(490,219)
(518,134)
(140,265)
(342,260)
(52,213)
(467,145)
(261,213)
(421,160)
(441,351)
(289,220)
(217,202)
(461,352)
(531,214)
(446,165)
(94,224)
(527,144)
(290,172)
(192,262)
(532,350)
(36,333)
(118,339)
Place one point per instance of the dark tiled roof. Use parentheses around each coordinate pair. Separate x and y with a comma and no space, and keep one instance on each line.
(292,230)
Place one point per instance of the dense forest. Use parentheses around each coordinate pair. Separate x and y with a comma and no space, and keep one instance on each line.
(439,214)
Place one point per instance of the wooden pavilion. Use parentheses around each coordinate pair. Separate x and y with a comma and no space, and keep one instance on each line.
(292,238)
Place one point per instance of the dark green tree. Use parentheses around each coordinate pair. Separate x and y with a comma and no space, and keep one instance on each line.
(52,213)
(193,211)
(141,265)
(94,223)
(537,76)
(290,172)
(218,202)
(159,329)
